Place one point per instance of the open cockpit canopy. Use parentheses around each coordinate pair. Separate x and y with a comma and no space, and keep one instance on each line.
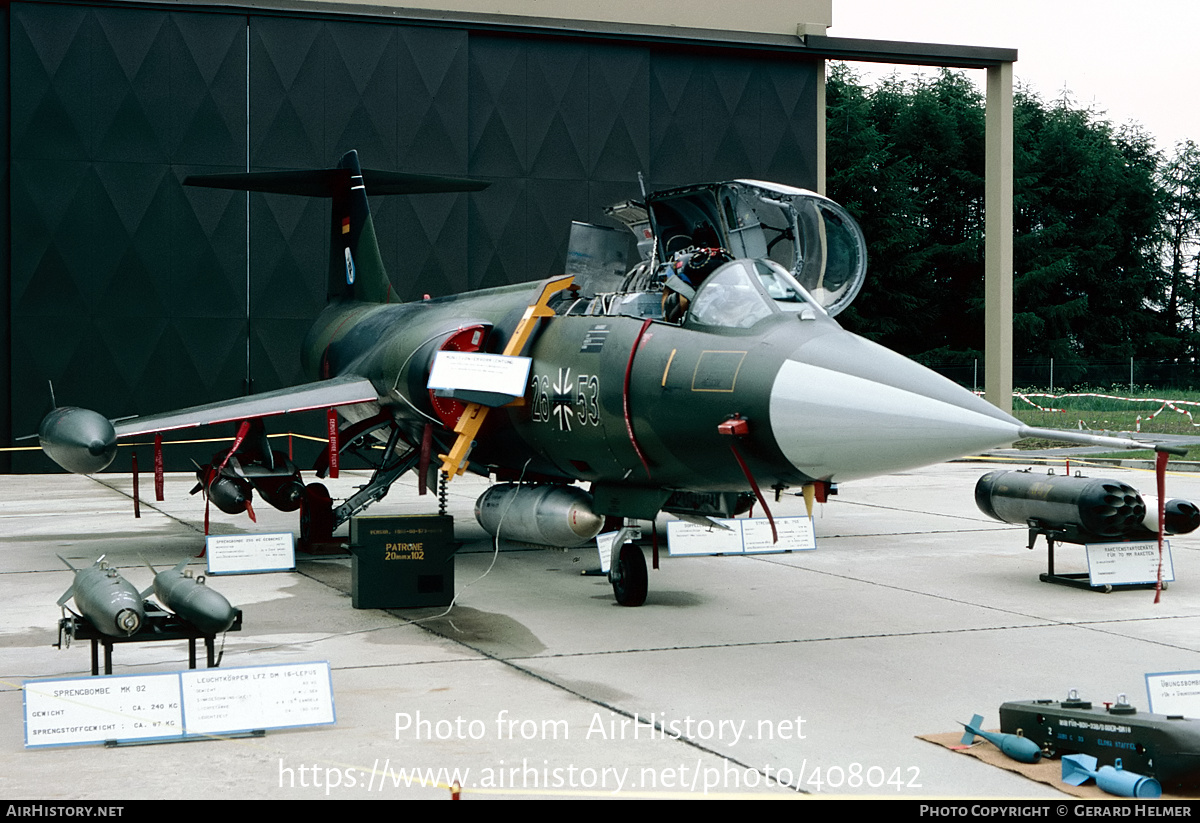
(782,235)
(809,235)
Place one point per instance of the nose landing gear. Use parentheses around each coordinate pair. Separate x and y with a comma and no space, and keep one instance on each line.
(628,576)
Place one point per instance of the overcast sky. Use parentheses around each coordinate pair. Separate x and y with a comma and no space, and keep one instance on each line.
(1134,61)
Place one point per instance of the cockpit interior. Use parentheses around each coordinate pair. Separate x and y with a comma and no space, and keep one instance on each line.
(720,254)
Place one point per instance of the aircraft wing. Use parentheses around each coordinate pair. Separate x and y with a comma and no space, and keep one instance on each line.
(337,391)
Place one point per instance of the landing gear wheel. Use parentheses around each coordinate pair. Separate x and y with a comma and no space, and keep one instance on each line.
(316,514)
(628,576)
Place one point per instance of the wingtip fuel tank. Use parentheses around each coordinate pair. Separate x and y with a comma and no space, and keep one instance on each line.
(80,440)
(105,598)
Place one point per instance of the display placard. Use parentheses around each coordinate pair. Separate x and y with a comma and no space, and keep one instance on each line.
(742,536)
(95,709)
(262,697)
(1174,693)
(250,553)
(795,534)
(1123,564)
(476,371)
(684,538)
(176,705)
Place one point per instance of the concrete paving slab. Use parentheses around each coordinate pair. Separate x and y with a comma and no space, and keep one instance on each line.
(814,668)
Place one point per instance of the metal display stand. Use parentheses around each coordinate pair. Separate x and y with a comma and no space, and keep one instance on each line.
(1076,580)
(160,625)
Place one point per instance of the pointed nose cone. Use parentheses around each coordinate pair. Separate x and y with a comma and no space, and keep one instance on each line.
(843,408)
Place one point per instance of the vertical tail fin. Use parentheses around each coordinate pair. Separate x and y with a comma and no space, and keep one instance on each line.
(70,592)
(1077,769)
(972,729)
(356,270)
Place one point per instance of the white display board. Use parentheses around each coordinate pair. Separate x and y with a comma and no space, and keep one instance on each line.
(1123,564)
(499,373)
(95,709)
(220,701)
(250,553)
(1174,693)
(176,705)
(743,536)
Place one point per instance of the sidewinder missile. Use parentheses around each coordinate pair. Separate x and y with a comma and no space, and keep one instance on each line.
(1079,768)
(1014,745)
(105,598)
(547,515)
(190,599)
(80,440)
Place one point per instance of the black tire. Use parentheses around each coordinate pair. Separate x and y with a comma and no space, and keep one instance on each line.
(628,576)
(316,514)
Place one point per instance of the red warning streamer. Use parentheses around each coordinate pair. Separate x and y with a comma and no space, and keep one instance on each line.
(1160,477)
(423,462)
(625,398)
(137,503)
(158,467)
(212,474)
(762,501)
(332,420)
(237,443)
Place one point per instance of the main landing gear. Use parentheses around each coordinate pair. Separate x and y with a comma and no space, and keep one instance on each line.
(318,516)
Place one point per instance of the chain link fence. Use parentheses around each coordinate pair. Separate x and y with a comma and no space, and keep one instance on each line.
(1133,375)
(1160,396)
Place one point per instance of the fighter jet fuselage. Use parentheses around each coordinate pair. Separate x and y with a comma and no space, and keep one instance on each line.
(621,401)
(693,381)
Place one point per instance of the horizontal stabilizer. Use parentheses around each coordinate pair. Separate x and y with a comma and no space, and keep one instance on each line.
(332,182)
(62,601)
(356,270)
(149,590)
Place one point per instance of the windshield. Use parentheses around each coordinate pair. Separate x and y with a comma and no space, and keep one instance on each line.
(781,287)
(814,238)
(740,294)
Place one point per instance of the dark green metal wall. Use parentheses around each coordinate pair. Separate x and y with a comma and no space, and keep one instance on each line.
(134,295)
